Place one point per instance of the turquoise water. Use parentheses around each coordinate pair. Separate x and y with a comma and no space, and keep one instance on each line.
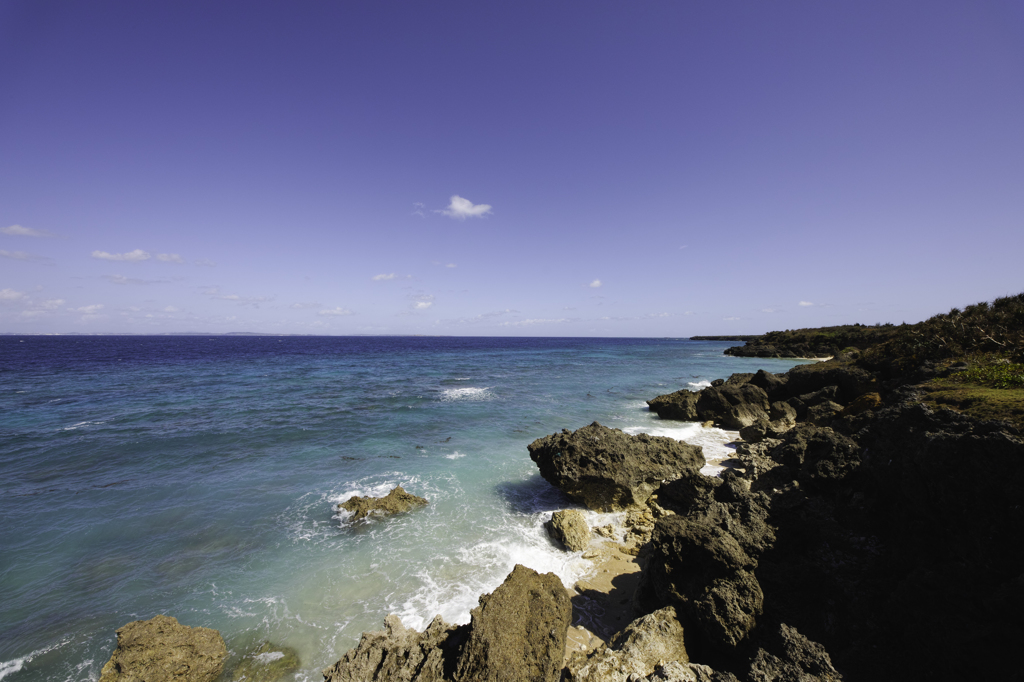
(198,477)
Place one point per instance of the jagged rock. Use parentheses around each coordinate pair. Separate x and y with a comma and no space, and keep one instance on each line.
(863,403)
(850,380)
(570,528)
(394,502)
(818,454)
(826,394)
(739,378)
(823,413)
(755,458)
(518,631)
(703,572)
(771,384)
(782,411)
(798,660)
(162,650)
(673,671)
(268,663)
(399,654)
(756,432)
(680,405)
(644,643)
(608,470)
(733,406)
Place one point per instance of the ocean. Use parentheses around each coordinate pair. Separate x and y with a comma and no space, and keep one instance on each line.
(198,476)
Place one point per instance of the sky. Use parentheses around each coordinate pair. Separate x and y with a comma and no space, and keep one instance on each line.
(628,169)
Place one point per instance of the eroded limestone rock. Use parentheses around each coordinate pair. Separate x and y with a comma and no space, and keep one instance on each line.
(394,502)
(162,650)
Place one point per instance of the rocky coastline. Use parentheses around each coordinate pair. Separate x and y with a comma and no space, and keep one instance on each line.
(859,533)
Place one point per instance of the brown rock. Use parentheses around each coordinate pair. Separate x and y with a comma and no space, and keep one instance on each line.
(395,501)
(518,631)
(608,470)
(398,654)
(570,528)
(162,650)
(865,402)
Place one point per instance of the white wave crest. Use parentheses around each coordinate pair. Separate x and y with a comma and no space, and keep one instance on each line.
(453,394)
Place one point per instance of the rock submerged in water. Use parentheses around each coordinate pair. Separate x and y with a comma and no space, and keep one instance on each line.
(517,634)
(268,663)
(608,470)
(162,650)
(394,502)
(570,528)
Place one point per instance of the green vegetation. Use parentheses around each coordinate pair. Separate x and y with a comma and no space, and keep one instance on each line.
(992,372)
(977,331)
(843,336)
(1006,404)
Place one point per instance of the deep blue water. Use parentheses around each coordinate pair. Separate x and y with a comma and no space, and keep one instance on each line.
(197,476)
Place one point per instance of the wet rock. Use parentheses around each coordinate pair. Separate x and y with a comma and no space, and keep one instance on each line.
(644,643)
(162,650)
(733,406)
(394,502)
(518,632)
(570,528)
(680,405)
(400,654)
(608,470)
(268,663)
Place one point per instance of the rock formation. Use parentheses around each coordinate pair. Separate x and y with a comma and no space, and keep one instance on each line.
(570,528)
(517,634)
(680,405)
(267,663)
(608,470)
(394,502)
(162,650)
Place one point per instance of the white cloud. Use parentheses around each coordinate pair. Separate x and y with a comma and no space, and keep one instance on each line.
(423,305)
(52,304)
(336,311)
(451,265)
(11,295)
(378,278)
(89,309)
(418,209)
(121,279)
(133,256)
(171,309)
(19,231)
(769,310)
(730,319)
(304,306)
(170,258)
(805,303)
(461,209)
(595,284)
(206,262)
(17,255)
(525,323)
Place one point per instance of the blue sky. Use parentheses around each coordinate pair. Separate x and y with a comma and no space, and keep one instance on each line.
(528,168)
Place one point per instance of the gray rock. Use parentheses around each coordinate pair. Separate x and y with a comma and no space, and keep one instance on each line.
(771,384)
(733,406)
(162,650)
(570,528)
(798,660)
(517,633)
(394,502)
(674,671)
(608,470)
(680,405)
